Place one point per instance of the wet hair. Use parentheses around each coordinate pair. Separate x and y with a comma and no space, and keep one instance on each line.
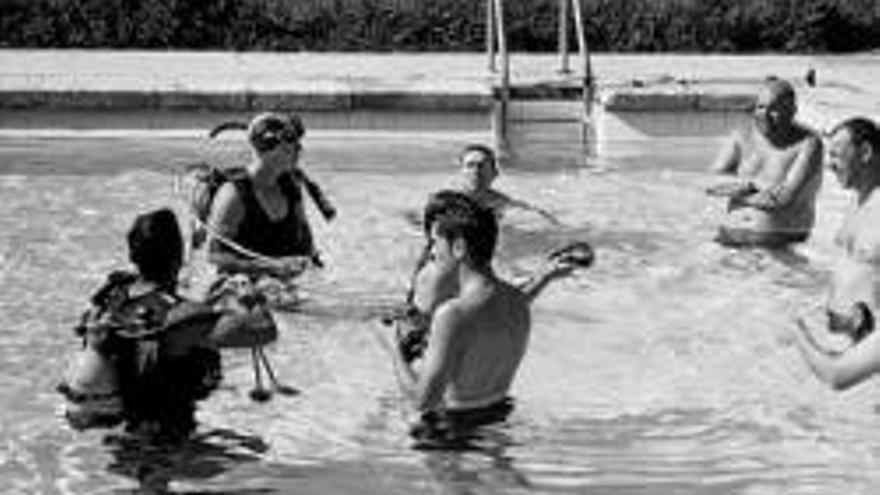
(268,130)
(439,202)
(458,216)
(861,130)
(155,246)
(480,148)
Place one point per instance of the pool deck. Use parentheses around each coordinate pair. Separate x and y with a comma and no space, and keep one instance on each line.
(104,79)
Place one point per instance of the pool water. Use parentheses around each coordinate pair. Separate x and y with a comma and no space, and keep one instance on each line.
(665,368)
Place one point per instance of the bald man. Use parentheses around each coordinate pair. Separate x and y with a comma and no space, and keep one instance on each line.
(777,168)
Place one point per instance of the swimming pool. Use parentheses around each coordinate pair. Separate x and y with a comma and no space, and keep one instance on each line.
(660,370)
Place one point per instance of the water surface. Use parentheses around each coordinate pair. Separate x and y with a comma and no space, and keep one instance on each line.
(663,369)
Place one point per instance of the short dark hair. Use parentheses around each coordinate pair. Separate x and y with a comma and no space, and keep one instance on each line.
(458,216)
(155,246)
(481,148)
(861,130)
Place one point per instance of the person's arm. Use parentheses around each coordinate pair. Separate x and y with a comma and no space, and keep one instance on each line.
(403,371)
(515,203)
(426,389)
(501,200)
(806,168)
(441,357)
(728,163)
(839,370)
(728,157)
(535,284)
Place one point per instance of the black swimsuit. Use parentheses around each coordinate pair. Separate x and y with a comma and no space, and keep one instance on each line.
(289,236)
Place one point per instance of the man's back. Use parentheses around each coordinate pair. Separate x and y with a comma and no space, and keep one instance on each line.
(493,334)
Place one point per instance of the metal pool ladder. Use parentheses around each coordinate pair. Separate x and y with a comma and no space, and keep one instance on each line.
(548,115)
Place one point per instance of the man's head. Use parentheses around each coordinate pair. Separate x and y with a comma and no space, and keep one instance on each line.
(854,152)
(775,107)
(155,246)
(857,323)
(461,228)
(478,166)
(270,133)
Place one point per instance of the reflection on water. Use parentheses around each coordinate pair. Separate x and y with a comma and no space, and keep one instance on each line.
(662,369)
(207,455)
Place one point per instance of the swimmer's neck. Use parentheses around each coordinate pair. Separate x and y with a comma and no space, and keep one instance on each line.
(472,277)
(264,173)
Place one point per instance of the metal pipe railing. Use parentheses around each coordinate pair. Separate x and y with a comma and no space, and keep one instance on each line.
(583,49)
(564,67)
(500,34)
(586,75)
(490,34)
(496,44)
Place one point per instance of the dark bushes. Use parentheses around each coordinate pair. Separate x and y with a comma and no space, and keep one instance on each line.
(440,25)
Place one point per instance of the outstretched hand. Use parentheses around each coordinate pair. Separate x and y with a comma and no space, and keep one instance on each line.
(575,255)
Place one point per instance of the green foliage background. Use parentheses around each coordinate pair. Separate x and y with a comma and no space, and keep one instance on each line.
(440,25)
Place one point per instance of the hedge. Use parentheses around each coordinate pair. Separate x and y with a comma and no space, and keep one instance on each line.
(439,25)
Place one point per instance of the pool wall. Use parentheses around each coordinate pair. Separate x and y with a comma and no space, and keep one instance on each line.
(653,101)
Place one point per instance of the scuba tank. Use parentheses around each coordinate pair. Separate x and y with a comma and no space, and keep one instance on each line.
(91,387)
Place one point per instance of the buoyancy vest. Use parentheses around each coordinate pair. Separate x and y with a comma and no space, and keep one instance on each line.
(124,359)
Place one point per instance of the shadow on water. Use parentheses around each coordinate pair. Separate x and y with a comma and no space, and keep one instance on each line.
(519,243)
(800,272)
(155,466)
(482,460)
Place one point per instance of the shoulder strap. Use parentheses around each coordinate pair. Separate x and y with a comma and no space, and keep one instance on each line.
(290,187)
(115,284)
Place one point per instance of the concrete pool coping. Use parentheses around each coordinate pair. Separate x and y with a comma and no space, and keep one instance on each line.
(435,82)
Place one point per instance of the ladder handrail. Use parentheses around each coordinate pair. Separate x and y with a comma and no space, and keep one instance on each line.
(583,48)
(498,33)
(496,44)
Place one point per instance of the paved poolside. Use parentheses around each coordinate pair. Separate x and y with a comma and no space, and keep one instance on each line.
(90,79)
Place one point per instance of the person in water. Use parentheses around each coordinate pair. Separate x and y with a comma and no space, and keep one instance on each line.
(425,294)
(778,168)
(479,169)
(479,325)
(854,292)
(149,355)
(263,211)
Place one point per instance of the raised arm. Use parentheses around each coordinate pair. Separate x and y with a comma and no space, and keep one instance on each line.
(546,274)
